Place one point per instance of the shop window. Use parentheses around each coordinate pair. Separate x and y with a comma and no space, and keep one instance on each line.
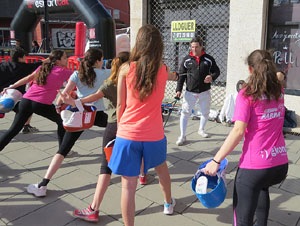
(284,39)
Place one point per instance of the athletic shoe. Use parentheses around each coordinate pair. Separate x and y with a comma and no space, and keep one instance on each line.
(26,129)
(181,141)
(33,129)
(143,179)
(71,153)
(169,207)
(29,129)
(37,191)
(87,214)
(203,134)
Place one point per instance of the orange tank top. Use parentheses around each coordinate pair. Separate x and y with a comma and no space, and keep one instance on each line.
(142,120)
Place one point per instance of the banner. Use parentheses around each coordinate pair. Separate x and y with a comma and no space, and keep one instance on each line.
(63,38)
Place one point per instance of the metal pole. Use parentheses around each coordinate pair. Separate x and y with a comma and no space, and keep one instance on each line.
(47,50)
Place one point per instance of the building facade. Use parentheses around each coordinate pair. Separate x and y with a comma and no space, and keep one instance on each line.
(253,25)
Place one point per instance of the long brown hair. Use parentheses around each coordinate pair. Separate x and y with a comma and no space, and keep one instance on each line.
(46,68)
(263,80)
(116,64)
(147,53)
(86,72)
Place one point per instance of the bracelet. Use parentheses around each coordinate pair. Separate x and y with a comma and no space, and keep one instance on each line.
(57,106)
(216,161)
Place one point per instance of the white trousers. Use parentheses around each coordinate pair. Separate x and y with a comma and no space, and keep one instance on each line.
(189,101)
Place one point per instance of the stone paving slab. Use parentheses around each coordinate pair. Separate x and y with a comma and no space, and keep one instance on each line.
(26,159)
(285,208)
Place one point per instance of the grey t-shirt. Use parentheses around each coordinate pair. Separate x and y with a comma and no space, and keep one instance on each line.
(109,89)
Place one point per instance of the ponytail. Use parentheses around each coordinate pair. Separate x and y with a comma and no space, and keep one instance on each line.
(86,72)
(41,78)
(116,64)
(263,80)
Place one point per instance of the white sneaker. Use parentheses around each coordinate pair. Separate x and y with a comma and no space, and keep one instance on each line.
(38,192)
(169,207)
(71,153)
(181,140)
(203,134)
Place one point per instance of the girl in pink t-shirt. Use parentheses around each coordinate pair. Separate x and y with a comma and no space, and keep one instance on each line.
(38,99)
(259,115)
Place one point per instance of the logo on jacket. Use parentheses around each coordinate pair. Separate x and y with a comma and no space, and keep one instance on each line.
(188,63)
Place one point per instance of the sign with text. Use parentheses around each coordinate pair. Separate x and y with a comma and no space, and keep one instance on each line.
(283,38)
(285,42)
(183,30)
(63,38)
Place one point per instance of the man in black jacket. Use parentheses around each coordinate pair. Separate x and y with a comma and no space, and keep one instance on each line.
(14,70)
(198,70)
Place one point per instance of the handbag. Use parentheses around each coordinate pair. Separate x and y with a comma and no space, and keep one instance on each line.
(290,119)
(79,118)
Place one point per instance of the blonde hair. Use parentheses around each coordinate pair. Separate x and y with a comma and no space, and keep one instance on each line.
(116,64)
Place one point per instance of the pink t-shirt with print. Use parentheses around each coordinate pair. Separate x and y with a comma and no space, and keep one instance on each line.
(264,145)
(46,94)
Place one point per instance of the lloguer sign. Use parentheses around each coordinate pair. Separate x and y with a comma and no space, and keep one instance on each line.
(99,22)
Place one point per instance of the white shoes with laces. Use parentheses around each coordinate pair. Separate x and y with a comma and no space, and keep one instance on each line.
(181,141)
(169,207)
(203,134)
(38,192)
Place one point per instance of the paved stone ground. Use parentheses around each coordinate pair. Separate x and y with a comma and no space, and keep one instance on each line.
(27,157)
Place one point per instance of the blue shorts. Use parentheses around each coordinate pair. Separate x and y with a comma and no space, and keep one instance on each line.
(127,156)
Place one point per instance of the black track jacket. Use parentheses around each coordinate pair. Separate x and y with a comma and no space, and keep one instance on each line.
(194,74)
(11,72)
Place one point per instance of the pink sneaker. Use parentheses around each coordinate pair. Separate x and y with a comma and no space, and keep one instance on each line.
(143,179)
(87,214)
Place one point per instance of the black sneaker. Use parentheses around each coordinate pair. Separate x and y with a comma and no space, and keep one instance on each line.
(29,129)
(33,129)
(26,129)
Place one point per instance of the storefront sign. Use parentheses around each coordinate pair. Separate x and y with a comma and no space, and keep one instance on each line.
(183,31)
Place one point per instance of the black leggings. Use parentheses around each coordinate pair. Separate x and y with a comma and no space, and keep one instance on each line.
(109,134)
(251,194)
(25,109)
(71,137)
